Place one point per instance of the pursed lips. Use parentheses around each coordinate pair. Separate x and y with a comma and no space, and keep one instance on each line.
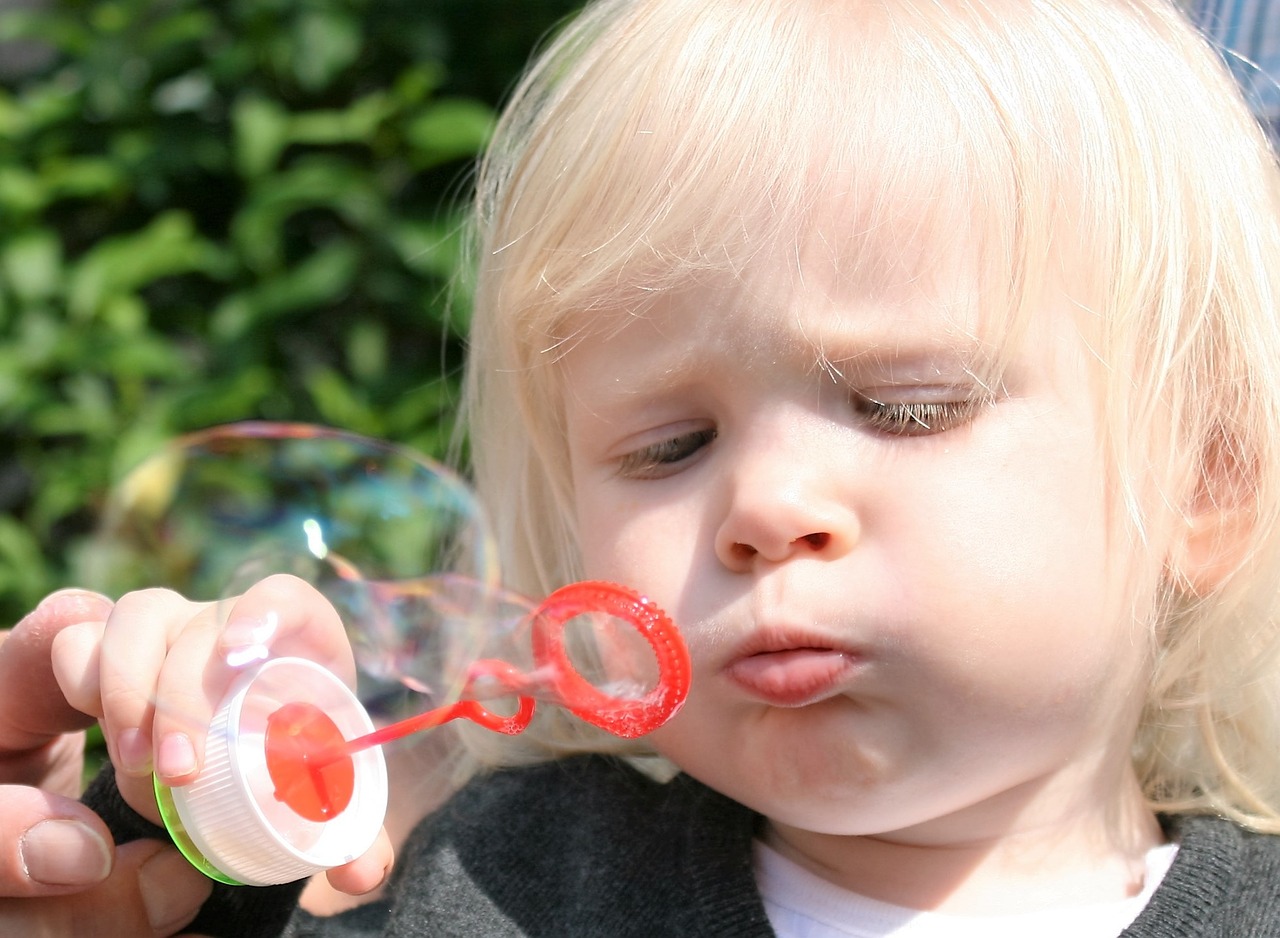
(789,669)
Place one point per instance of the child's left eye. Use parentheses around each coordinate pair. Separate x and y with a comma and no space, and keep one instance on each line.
(916,418)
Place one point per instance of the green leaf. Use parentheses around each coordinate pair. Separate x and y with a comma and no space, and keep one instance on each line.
(367,349)
(449,130)
(180,27)
(22,566)
(222,399)
(429,247)
(193,91)
(355,124)
(60,29)
(341,404)
(13,119)
(31,264)
(316,281)
(82,177)
(327,43)
(122,264)
(261,130)
(21,191)
(318,182)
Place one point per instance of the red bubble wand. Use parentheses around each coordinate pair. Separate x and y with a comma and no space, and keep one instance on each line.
(310,763)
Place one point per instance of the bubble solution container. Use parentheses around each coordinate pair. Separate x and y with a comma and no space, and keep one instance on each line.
(237,824)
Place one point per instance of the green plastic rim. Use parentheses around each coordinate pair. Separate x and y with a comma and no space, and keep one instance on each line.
(181,839)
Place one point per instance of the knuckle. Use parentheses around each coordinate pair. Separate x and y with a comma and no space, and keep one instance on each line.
(283,586)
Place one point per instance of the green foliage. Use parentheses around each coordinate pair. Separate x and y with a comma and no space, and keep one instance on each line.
(214,212)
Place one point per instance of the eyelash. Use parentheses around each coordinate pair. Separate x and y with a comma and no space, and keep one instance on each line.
(916,418)
(653,462)
(897,418)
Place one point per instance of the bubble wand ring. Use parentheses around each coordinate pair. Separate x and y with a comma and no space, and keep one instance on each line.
(627,719)
(556,675)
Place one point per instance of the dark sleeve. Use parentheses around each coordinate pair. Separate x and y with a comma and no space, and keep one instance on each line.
(232,911)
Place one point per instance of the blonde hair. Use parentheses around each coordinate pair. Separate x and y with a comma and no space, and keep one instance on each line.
(655,140)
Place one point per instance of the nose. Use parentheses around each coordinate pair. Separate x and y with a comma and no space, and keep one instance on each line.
(780,505)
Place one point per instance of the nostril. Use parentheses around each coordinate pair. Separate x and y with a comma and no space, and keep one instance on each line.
(744,551)
(817,541)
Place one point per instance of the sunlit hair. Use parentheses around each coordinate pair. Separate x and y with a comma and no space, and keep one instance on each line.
(1098,145)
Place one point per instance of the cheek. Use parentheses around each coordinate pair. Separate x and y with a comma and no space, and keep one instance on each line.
(1041,590)
(647,547)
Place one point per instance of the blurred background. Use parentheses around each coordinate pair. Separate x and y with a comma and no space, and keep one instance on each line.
(211,212)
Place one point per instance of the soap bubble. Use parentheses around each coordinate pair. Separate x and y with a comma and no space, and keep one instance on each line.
(398,543)
(400,547)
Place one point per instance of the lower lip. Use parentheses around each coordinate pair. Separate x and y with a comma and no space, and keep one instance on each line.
(793,678)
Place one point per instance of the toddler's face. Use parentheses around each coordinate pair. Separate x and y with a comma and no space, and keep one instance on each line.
(909,603)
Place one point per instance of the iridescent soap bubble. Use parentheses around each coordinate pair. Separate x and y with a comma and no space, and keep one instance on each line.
(401,548)
(396,541)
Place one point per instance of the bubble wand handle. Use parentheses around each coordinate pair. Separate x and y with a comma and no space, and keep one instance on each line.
(471,710)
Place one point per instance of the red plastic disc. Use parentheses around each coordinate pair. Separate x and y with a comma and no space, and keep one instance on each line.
(308,763)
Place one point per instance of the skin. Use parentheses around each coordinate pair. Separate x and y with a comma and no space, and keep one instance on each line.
(61,874)
(808,463)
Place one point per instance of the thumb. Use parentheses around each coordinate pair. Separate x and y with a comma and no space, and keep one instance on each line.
(33,709)
(152,891)
(49,845)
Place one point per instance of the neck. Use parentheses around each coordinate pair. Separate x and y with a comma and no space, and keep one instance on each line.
(1051,852)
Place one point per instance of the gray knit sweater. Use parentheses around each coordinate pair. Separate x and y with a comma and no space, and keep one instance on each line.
(588,848)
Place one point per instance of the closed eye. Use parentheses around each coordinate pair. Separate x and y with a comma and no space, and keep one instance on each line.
(663,458)
(916,418)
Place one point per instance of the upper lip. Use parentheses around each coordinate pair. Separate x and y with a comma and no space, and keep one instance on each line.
(768,640)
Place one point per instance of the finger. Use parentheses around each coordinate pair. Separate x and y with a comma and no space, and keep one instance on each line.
(368,871)
(279,616)
(56,767)
(151,891)
(190,686)
(33,710)
(139,793)
(135,645)
(284,615)
(50,845)
(77,665)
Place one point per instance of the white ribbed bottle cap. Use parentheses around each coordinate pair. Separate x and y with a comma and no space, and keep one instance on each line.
(229,821)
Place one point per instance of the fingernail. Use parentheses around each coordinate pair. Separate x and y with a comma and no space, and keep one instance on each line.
(247,640)
(134,751)
(64,853)
(162,882)
(176,756)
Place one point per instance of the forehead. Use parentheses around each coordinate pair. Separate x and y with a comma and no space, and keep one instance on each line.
(797,315)
(836,287)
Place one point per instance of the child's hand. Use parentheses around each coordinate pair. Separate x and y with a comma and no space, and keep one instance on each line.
(156,669)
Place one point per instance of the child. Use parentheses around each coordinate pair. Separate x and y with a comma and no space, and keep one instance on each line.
(921,359)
